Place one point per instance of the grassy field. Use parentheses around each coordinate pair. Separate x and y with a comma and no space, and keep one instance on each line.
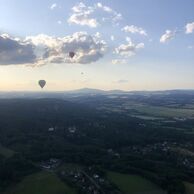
(6,152)
(133,184)
(41,183)
(189,188)
(160,111)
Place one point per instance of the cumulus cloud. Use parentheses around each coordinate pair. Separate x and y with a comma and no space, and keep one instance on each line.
(15,51)
(89,15)
(169,35)
(134,30)
(129,49)
(43,49)
(82,16)
(88,48)
(189,28)
(53,6)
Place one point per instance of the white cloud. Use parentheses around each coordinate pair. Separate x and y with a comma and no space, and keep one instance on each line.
(134,29)
(189,28)
(89,15)
(119,61)
(53,6)
(87,48)
(82,16)
(43,49)
(115,15)
(98,35)
(128,49)
(169,35)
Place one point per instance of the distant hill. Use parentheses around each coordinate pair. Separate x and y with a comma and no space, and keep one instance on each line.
(89,92)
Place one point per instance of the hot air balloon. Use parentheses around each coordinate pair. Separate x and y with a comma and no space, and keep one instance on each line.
(71,54)
(42,83)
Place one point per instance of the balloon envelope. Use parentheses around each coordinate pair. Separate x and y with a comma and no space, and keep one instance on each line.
(42,83)
(71,54)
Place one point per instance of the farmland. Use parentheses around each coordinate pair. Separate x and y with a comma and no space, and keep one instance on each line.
(41,183)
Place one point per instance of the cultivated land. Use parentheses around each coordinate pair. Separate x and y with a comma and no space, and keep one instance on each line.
(41,183)
(133,184)
(189,188)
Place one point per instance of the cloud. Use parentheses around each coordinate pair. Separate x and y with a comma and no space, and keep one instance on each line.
(82,16)
(189,28)
(53,6)
(129,49)
(169,35)
(43,49)
(134,29)
(114,15)
(15,51)
(92,16)
(118,61)
(87,48)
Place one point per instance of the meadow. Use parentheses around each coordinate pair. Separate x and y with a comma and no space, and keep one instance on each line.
(133,184)
(41,183)
(189,188)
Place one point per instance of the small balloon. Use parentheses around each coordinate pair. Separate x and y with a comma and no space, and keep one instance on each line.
(71,54)
(42,83)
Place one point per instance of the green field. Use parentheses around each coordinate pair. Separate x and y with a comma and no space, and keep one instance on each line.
(159,111)
(6,152)
(41,183)
(133,184)
(189,187)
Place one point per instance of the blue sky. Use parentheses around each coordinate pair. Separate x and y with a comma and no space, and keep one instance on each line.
(129,44)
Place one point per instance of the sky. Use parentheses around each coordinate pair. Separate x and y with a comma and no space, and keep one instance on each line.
(127,45)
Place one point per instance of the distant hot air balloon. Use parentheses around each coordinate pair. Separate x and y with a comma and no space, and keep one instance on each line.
(71,54)
(42,83)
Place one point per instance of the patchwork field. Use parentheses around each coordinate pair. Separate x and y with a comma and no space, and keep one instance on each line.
(189,188)
(41,183)
(160,111)
(133,184)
